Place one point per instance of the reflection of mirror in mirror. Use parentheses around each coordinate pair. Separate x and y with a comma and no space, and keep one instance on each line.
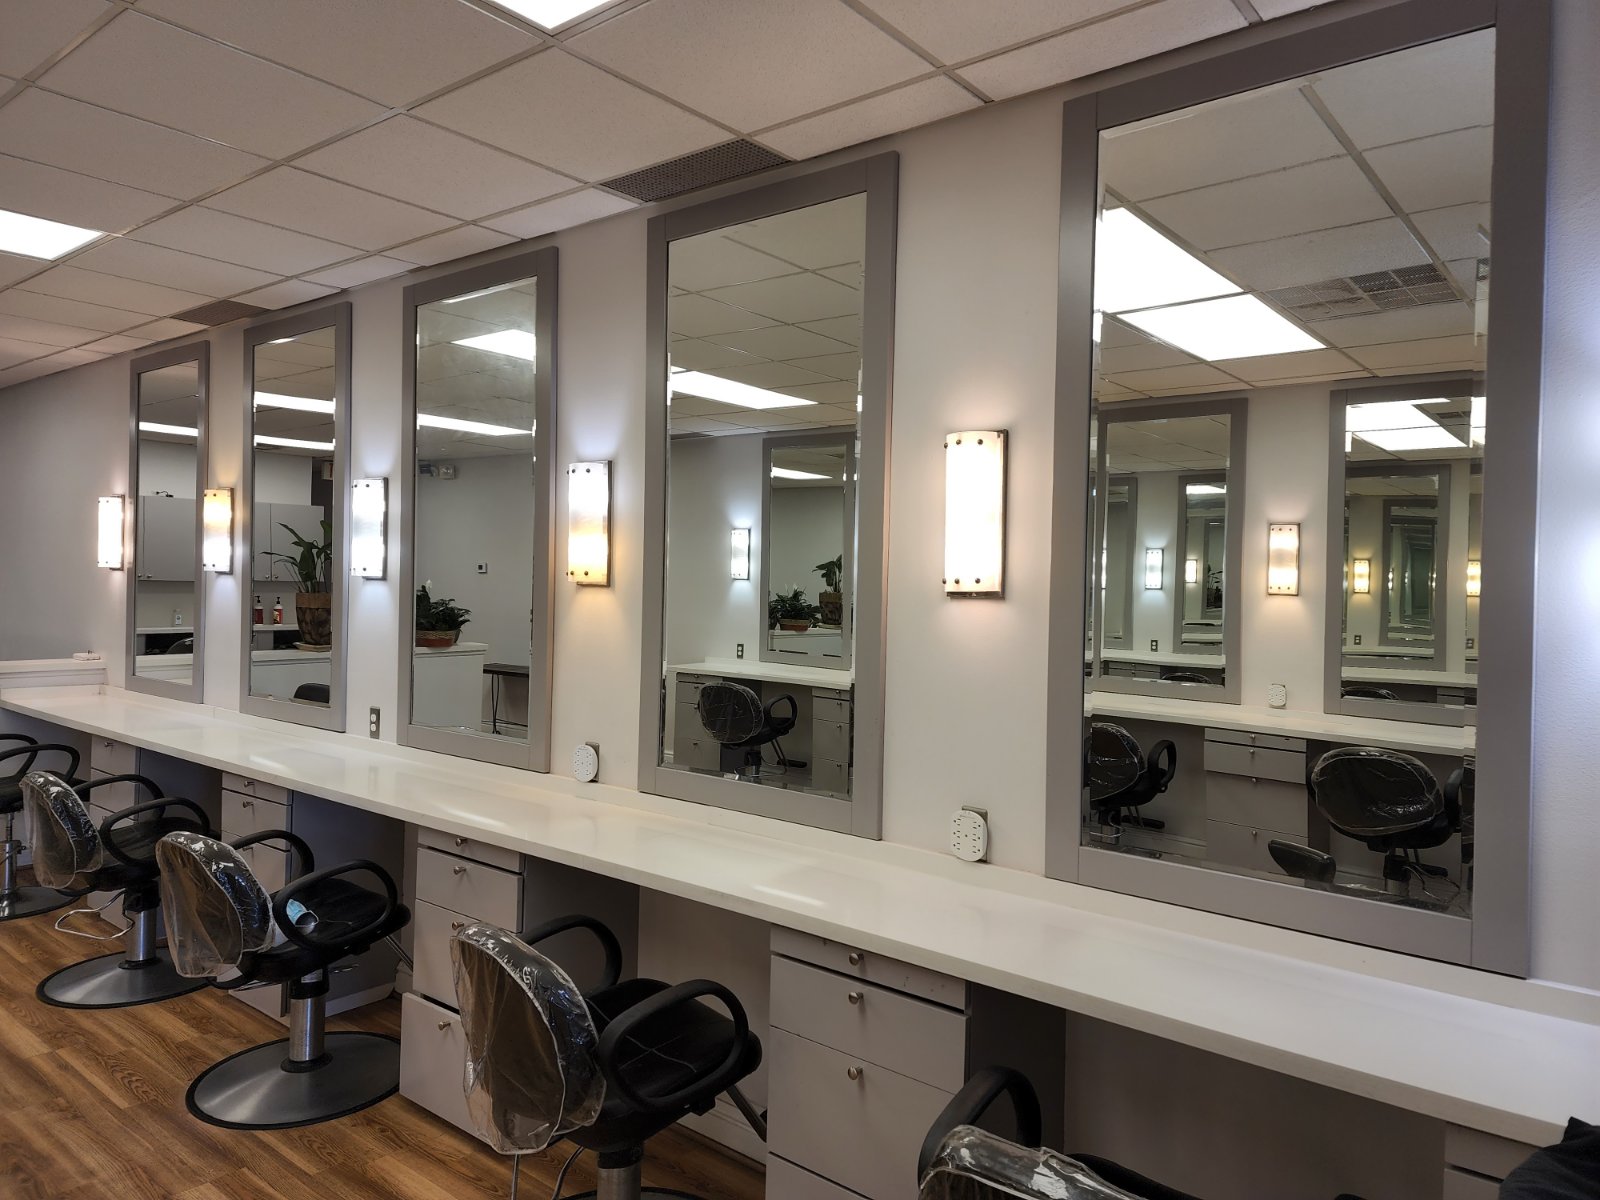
(764,390)
(167,587)
(292,555)
(475,511)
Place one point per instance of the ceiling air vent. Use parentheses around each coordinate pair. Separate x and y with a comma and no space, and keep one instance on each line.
(218,312)
(1360,295)
(700,169)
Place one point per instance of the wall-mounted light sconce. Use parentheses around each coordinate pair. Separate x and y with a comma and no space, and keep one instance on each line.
(739,554)
(1191,570)
(1361,576)
(1154,570)
(109,542)
(975,513)
(369,528)
(589,523)
(1283,560)
(216,537)
(1474,577)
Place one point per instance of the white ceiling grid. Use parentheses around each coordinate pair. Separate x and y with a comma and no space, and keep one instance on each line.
(273,152)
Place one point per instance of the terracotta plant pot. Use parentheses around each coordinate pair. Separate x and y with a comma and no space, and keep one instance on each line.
(832,606)
(437,639)
(313,613)
(794,626)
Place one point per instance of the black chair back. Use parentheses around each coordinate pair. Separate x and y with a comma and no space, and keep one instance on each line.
(731,712)
(1370,793)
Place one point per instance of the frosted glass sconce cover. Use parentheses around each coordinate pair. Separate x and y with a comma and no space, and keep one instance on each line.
(109,539)
(216,541)
(1153,569)
(739,554)
(1474,577)
(589,523)
(975,513)
(1361,576)
(369,528)
(1283,560)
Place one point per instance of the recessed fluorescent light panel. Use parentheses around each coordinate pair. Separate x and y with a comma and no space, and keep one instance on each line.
(34,237)
(1396,426)
(791,473)
(459,425)
(174,430)
(1232,327)
(1136,267)
(553,14)
(513,343)
(727,391)
(263,439)
(297,403)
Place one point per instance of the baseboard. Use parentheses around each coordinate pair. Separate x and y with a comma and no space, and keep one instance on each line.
(726,1126)
(353,1000)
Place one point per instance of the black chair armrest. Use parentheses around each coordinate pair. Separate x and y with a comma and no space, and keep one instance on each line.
(302,852)
(1163,764)
(782,724)
(150,786)
(973,1100)
(19,737)
(715,1081)
(307,939)
(607,939)
(33,749)
(138,810)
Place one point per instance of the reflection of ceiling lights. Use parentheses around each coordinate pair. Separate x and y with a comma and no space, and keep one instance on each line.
(1396,426)
(34,237)
(514,343)
(298,403)
(726,391)
(291,443)
(552,14)
(488,291)
(174,430)
(460,426)
(1205,489)
(1136,267)
(791,473)
(1232,327)
(1480,419)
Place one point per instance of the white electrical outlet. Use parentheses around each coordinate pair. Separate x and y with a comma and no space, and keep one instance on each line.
(586,762)
(969,834)
(1277,695)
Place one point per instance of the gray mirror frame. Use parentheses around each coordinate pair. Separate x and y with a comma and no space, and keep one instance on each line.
(336,316)
(1098,562)
(862,815)
(534,753)
(1184,480)
(1496,937)
(770,443)
(198,353)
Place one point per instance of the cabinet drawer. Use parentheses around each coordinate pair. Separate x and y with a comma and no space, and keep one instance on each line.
(114,797)
(269,865)
(244,815)
(830,740)
(1245,845)
(472,889)
(924,1041)
(1243,800)
(824,709)
(1463,1185)
(254,787)
(785,1181)
(864,1132)
(495,856)
(830,776)
(1262,741)
(112,757)
(692,746)
(689,691)
(874,968)
(1483,1153)
(433,1060)
(1227,758)
(433,974)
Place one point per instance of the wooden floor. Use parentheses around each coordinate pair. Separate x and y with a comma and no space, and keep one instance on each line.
(91,1108)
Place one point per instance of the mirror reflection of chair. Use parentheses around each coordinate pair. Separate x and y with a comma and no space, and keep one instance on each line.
(184,645)
(17,899)
(734,717)
(313,693)
(1184,677)
(606,1071)
(71,854)
(1121,778)
(1366,691)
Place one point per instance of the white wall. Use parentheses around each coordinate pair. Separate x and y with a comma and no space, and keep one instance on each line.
(283,478)
(716,486)
(1155,526)
(807,529)
(166,467)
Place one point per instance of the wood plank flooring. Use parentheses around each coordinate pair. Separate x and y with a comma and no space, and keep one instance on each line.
(91,1107)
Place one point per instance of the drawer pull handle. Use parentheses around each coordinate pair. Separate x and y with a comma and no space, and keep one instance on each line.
(457,926)
(853,1073)
(461,841)
(855,958)
(248,804)
(443,1025)
(854,997)
(458,870)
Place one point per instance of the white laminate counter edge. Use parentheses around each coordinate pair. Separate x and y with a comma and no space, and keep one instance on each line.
(1508,1057)
(51,672)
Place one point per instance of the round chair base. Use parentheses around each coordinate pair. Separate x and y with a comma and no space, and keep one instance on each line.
(649,1193)
(251,1089)
(30,901)
(108,982)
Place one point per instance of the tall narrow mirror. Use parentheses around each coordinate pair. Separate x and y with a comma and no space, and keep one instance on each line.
(167,478)
(480,347)
(774,327)
(296,508)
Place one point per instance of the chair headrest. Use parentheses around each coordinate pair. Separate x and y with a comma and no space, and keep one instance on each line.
(66,842)
(1112,760)
(531,1072)
(730,712)
(975,1165)
(1368,792)
(216,909)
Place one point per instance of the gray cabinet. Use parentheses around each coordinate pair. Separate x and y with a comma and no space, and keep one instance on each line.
(267,533)
(1255,794)
(165,544)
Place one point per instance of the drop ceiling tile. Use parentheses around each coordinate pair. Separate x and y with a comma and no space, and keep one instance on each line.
(35,31)
(287,294)
(848,274)
(606,126)
(14,267)
(1282,8)
(1271,367)
(354,274)
(1319,195)
(1325,254)
(14,351)
(839,329)
(701,425)
(1418,352)
(877,116)
(792,298)
(397,54)
(452,244)
(1114,360)
(421,163)
(957,32)
(1198,389)
(823,235)
(1121,39)
(95,317)
(792,58)
(26,371)
(773,375)
(170,268)
(711,260)
(1461,231)
(835,366)
(325,209)
(1196,375)
(117,343)
(779,342)
(57,195)
(167,327)
(1398,325)
(563,212)
(829,395)
(223,236)
(694,355)
(695,316)
(74,283)
(48,333)
(1379,101)
(1438,172)
(68,133)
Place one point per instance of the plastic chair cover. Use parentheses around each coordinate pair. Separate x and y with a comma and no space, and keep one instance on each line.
(66,842)
(731,712)
(216,909)
(975,1165)
(1112,760)
(1366,792)
(531,1074)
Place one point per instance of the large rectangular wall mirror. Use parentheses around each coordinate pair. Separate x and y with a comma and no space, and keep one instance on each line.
(295,511)
(480,369)
(771,328)
(167,480)
(1286,710)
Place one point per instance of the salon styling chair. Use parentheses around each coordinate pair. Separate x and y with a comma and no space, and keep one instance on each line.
(17,900)
(1184,677)
(313,693)
(224,927)
(606,1071)
(1122,778)
(1366,691)
(734,717)
(71,854)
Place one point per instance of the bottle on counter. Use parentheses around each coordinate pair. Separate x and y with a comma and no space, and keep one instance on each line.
(258,616)
(277,611)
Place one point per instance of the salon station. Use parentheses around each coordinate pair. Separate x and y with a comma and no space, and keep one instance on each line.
(945,612)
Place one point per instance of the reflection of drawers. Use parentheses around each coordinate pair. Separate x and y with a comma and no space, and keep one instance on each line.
(830,740)
(831,716)
(1245,845)
(692,746)
(831,706)
(1256,762)
(689,687)
(1250,800)
(830,776)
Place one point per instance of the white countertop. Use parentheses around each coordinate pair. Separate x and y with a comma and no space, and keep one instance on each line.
(1166,658)
(772,672)
(51,672)
(147,630)
(1510,1057)
(1403,674)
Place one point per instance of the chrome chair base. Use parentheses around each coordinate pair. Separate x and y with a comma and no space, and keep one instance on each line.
(30,902)
(111,981)
(264,1088)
